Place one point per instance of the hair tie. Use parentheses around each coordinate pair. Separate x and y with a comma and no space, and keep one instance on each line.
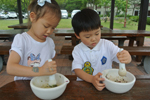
(42,2)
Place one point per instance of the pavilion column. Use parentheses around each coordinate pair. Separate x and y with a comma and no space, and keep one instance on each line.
(142,24)
(143,14)
(112,14)
(19,11)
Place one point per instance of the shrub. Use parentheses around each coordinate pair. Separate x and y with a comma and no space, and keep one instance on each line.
(69,15)
(134,18)
(148,21)
(121,15)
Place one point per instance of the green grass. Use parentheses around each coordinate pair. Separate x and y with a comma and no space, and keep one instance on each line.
(66,23)
(131,26)
(5,23)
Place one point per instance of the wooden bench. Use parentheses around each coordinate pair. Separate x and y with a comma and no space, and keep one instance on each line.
(138,51)
(4,38)
(120,39)
(4,50)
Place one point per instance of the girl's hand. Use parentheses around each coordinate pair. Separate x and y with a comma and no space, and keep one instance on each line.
(124,57)
(49,68)
(98,82)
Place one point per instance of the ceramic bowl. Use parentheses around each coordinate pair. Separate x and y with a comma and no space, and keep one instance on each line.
(38,83)
(117,87)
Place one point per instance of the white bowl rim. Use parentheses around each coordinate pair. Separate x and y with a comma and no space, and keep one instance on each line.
(60,86)
(134,79)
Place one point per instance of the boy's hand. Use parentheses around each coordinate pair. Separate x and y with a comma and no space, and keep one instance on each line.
(49,68)
(98,82)
(124,57)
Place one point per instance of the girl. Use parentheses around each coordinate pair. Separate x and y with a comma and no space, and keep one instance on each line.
(30,50)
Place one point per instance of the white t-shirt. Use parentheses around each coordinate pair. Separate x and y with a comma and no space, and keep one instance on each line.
(32,52)
(94,60)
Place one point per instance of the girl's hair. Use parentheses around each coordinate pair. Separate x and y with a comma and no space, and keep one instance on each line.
(40,11)
(85,20)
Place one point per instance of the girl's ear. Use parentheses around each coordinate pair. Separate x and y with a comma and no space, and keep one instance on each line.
(77,36)
(32,16)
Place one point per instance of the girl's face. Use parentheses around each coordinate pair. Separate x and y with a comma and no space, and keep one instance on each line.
(90,38)
(43,27)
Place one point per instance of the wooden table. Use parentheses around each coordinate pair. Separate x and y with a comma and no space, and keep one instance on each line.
(137,35)
(19,26)
(7,33)
(20,90)
(133,35)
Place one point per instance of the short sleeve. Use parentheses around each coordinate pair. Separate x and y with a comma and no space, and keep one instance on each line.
(52,45)
(77,60)
(18,45)
(113,50)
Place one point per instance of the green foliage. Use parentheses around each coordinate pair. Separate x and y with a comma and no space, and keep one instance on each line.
(148,21)
(134,18)
(129,22)
(120,15)
(121,20)
(62,3)
(121,6)
(129,16)
(100,15)
(11,5)
(69,14)
(75,4)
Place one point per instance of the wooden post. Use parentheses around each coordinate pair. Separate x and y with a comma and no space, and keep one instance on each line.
(142,22)
(19,11)
(112,14)
(143,14)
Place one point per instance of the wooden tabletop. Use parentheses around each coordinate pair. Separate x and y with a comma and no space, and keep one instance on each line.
(11,32)
(19,26)
(78,90)
(130,33)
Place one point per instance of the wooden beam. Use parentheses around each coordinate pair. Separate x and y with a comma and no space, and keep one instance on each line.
(19,11)
(112,14)
(143,14)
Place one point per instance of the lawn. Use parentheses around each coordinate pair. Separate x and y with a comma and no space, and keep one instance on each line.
(66,23)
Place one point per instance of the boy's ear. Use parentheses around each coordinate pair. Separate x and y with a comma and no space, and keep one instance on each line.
(77,36)
(32,16)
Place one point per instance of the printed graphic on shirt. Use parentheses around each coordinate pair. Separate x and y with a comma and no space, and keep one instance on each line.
(103,60)
(34,61)
(87,68)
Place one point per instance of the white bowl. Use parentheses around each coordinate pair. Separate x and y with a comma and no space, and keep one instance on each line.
(37,84)
(117,87)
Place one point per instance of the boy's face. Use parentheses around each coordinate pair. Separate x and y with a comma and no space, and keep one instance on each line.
(90,38)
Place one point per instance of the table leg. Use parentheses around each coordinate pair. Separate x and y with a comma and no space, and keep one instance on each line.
(1,63)
(139,42)
(73,38)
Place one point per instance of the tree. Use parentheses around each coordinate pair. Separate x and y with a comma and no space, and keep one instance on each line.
(121,6)
(75,4)
(62,3)
(136,5)
(105,4)
(11,5)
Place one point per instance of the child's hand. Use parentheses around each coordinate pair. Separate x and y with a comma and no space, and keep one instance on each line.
(124,57)
(49,68)
(98,82)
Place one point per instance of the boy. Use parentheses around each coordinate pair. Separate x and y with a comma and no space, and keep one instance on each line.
(93,55)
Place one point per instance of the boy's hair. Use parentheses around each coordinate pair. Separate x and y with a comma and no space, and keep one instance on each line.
(85,20)
(52,7)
